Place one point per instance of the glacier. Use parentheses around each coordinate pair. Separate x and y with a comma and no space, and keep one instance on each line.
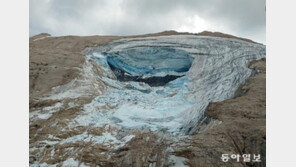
(164,84)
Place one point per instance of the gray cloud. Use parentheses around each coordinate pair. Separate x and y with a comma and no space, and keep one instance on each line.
(245,18)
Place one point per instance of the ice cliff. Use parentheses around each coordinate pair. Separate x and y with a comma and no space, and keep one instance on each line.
(153,65)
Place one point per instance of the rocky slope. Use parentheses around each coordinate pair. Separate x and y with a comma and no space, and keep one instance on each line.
(99,101)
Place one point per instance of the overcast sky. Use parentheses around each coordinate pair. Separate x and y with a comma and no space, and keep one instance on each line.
(244,18)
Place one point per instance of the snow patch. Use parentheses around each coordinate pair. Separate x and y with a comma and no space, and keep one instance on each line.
(107,139)
(36,164)
(176,161)
(70,163)
(46,112)
(42,38)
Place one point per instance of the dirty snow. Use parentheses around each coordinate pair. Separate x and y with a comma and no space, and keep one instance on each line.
(45,112)
(106,139)
(176,161)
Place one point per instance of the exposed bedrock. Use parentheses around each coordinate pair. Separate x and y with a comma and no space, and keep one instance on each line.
(176,78)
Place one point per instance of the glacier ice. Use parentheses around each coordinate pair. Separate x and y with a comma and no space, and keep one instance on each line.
(150,60)
(153,65)
(205,69)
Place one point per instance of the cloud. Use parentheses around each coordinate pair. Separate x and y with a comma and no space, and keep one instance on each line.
(245,18)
